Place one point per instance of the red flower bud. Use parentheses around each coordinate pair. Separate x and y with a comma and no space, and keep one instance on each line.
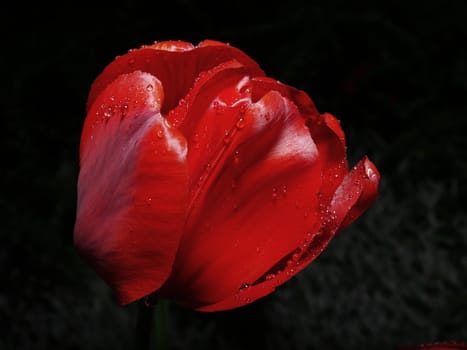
(203,181)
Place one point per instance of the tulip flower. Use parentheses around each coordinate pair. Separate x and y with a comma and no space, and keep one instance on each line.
(205,182)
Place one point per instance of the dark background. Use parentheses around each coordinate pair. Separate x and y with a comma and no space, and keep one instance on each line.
(394,74)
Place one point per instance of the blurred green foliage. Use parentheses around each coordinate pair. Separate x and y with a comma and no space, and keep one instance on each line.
(394,73)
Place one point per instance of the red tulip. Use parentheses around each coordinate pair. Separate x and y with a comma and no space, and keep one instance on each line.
(203,181)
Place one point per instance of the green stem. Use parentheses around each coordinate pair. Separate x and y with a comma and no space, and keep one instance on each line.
(162,320)
(144,339)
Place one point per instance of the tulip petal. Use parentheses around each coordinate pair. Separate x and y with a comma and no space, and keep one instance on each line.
(356,191)
(254,203)
(132,187)
(330,140)
(175,64)
(262,85)
(368,193)
(325,130)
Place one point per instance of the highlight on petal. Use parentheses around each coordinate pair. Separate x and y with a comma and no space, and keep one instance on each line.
(255,200)
(132,188)
(325,130)
(173,46)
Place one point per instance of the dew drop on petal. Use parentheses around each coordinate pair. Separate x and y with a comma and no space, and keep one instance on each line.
(149,87)
(245,90)
(274,194)
(236,158)
(240,123)
(243,287)
(227,138)
(270,276)
(371,174)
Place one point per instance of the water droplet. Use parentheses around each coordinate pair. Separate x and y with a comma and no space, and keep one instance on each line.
(107,114)
(149,87)
(245,89)
(270,276)
(112,98)
(160,134)
(227,138)
(284,190)
(200,180)
(148,201)
(274,194)
(267,116)
(243,287)
(371,174)
(123,110)
(243,108)
(240,123)
(236,158)
(196,140)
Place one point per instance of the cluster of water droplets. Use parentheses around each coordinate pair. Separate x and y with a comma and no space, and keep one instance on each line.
(298,257)
(108,110)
